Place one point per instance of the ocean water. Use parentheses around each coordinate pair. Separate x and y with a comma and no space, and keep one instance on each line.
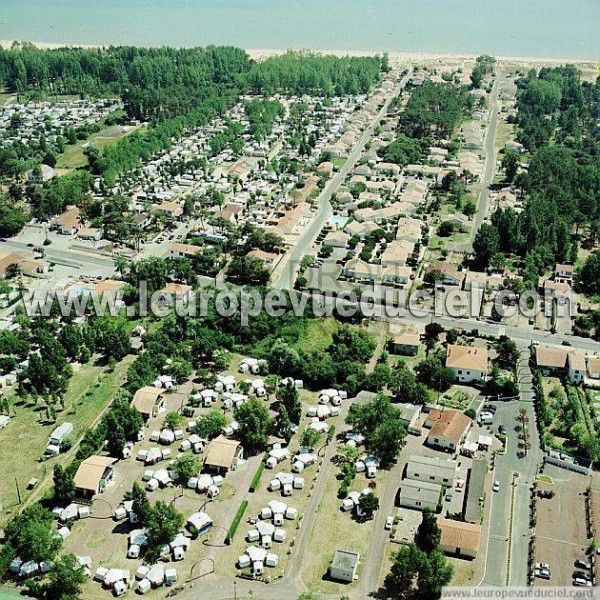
(536,28)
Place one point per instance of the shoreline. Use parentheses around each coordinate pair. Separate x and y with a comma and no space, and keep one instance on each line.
(405,56)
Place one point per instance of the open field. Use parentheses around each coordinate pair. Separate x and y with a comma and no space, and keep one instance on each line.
(90,390)
(74,158)
(561,535)
(336,530)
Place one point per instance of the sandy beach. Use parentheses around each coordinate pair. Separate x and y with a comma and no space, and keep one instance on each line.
(414,57)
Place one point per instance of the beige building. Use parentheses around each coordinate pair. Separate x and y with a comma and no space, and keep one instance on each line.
(148,401)
(459,539)
(92,476)
(223,455)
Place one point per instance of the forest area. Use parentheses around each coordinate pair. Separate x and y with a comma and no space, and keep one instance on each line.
(557,124)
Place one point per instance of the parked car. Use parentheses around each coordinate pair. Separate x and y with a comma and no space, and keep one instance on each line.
(542,573)
(502,430)
(489,408)
(579,581)
(582,575)
(546,494)
(496,486)
(581,563)
(389,522)
(542,565)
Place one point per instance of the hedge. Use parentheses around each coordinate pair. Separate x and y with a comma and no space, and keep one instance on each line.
(236,521)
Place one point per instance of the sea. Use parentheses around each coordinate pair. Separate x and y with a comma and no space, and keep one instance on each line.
(568,29)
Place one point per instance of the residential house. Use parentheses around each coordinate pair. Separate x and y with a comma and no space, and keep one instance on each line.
(91,234)
(14,262)
(223,455)
(176,293)
(409,415)
(179,250)
(593,367)
(68,222)
(148,401)
(385,168)
(361,229)
(409,229)
(394,275)
(359,270)
(432,470)
(405,343)
(325,169)
(420,494)
(37,177)
(268,259)
(468,363)
(336,239)
(458,538)
(92,476)
(576,367)
(171,209)
(448,274)
(397,253)
(563,274)
(559,361)
(448,429)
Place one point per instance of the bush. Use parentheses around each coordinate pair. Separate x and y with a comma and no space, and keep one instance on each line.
(470,413)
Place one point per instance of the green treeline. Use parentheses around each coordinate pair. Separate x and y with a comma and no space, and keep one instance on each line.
(557,122)
(435,110)
(305,73)
(156,83)
(261,116)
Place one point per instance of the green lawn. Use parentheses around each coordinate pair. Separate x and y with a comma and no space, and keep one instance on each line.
(24,439)
(317,335)
(10,595)
(73,157)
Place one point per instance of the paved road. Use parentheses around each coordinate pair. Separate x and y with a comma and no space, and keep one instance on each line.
(504,532)
(490,160)
(285,274)
(374,559)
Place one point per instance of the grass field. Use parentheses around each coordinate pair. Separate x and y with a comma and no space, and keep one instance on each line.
(74,158)
(333,530)
(24,439)
(318,334)
(9,595)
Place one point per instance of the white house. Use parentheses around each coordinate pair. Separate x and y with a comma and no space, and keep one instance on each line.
(420,494)
(432,470)
(468,363)
(344,566)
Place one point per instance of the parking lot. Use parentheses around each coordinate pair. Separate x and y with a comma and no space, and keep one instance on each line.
(561,536)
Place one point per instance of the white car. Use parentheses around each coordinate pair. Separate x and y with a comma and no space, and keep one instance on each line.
(496,486)
(581,582)
(389,522)
(541,565)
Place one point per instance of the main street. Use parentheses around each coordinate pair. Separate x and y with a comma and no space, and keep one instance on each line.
(489,170)
(284,275)
(509,531)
